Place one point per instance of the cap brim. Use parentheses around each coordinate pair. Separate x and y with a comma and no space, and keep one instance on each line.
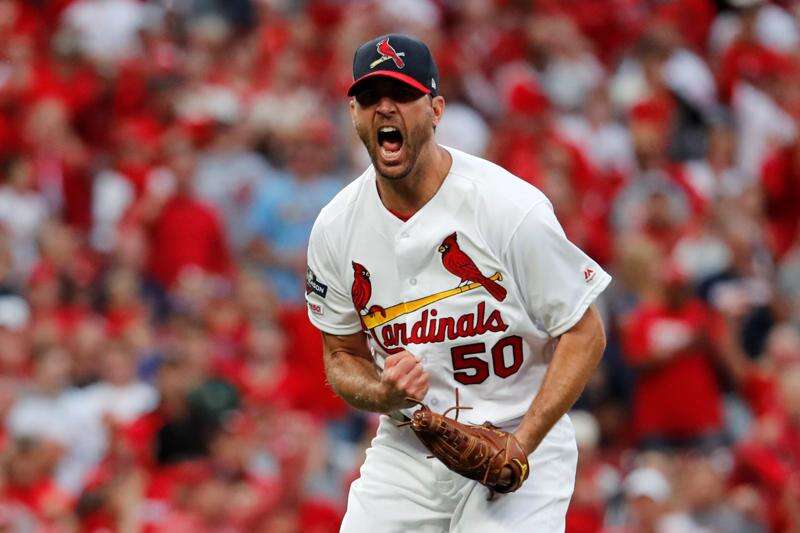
(408,80)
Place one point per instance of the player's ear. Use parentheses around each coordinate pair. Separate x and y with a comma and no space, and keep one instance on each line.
(353,110)
(437,105)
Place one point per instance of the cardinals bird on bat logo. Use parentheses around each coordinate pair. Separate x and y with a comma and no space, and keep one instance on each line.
(460,264)
(454,260)
(388,52)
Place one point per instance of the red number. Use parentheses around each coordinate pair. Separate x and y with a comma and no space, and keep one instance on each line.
(461,363)
(499,356)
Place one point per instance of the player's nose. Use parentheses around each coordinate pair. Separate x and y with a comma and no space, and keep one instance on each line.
(386,106)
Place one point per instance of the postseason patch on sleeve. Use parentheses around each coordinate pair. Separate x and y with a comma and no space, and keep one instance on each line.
(313,285)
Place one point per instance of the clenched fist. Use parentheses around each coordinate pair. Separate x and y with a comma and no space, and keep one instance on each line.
(403,377)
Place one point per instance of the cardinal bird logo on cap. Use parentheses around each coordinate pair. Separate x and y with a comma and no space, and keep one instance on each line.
(388,52)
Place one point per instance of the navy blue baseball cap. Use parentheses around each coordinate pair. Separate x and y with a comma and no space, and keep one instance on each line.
(399,57)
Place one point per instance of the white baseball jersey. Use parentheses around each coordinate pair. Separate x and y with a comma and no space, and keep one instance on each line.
(478,284)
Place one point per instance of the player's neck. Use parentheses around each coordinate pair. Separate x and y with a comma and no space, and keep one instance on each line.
(409,194)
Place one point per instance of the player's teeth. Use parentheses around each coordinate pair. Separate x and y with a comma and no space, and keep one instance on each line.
(387,129)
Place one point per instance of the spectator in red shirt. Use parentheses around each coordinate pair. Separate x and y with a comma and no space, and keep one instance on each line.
(657,200)
(59,284)
(528,138)
(124,308)
(758,381)
(746,58)
(670,342)
(262,374)
(184,232)
(27,470)
(780,182)
(770,458)
(59,161)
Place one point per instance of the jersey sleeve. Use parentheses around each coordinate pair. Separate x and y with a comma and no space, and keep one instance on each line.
(556,279)
(330,307)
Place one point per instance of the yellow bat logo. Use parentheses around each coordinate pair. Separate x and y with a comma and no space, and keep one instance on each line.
(379,318)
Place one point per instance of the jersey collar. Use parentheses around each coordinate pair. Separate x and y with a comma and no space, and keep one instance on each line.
(395,222)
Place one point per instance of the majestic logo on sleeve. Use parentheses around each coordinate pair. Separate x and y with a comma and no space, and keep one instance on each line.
(388,52)
(313,285)
(588,274)
(430,327)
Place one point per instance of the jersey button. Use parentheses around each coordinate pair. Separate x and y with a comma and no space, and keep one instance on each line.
(404,235)
(413,281)
(434,402)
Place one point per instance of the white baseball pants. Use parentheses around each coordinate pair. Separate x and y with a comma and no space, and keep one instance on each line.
(401,491)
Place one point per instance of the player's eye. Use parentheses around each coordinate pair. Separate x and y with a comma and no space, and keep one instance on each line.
(367,98)
(405,95)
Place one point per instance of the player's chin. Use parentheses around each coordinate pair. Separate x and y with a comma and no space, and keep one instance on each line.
(397,166)
(393,172)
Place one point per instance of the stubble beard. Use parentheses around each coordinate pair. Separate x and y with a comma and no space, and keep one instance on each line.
(418,137)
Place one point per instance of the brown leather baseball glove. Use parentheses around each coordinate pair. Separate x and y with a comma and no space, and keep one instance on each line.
(480,452)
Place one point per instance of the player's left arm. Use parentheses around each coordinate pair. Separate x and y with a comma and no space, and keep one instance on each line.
(577,355)
(559,284)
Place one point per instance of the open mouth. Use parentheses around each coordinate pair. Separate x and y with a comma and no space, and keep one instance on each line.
(390,142)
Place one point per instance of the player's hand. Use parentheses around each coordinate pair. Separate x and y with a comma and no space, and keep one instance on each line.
(506,477)
(403,377)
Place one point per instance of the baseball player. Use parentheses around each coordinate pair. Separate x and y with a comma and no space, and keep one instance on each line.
(435,272)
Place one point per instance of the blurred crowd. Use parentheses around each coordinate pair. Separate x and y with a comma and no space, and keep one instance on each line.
(161,165)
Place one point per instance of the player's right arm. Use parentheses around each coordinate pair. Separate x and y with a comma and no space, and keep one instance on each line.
(349,365)
(354,376)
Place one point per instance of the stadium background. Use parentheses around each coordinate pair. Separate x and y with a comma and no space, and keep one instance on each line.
(161,164)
